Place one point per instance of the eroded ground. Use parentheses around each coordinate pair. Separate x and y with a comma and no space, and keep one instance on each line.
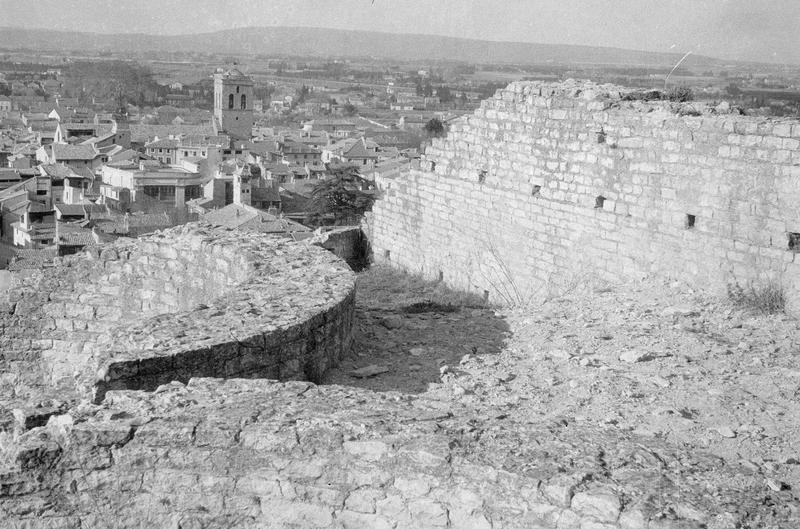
(695,371)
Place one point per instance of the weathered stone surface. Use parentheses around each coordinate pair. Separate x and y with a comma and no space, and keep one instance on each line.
(317,444)
(189,301)
(548,183)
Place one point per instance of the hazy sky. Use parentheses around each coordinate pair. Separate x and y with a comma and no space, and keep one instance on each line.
(766,30)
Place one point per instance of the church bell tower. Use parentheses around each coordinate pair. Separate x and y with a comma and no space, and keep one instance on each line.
(233,103)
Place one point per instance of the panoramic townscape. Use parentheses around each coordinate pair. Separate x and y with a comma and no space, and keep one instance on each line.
(328,270)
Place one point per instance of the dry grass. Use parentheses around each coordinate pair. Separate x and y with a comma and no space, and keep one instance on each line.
(382,285)
(766,298)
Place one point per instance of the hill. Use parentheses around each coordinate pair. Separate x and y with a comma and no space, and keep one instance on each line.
(301,41)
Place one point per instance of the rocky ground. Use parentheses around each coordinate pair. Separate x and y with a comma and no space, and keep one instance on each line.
(639,406)
(698,372)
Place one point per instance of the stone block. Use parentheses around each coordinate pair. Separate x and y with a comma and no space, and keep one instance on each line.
(412,487)
(602,506)
(299,514)
(369,450)
(358,520)
(428,513)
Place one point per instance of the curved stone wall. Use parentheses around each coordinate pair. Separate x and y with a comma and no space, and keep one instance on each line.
(189,301)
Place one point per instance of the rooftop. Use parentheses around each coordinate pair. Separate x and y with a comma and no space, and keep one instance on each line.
(246,217)
(66,152)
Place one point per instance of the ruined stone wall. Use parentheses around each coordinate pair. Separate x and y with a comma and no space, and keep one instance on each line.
(191,301)
(546,184)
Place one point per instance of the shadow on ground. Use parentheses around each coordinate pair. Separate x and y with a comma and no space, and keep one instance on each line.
(407,329)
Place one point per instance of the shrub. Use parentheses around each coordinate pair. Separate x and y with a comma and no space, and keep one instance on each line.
(767,297)
(680,94)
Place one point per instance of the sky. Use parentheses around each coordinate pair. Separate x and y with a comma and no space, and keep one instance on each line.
(758,30)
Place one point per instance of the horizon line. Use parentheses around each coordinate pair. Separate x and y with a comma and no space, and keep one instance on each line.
(168,35)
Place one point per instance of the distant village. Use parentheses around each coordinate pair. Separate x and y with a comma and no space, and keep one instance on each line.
(98,147)
(76,173)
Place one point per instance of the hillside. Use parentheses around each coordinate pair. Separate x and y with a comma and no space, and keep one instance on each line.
(300,41)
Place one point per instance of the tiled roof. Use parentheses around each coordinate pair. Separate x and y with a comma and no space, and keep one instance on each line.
(75,236)
(144,133)
(21,187)
(32,258)
(333,122)
(127,154)
(57,170)
(276,225)
(237,216)
(37,116)
(77,125)
(166,143)
(9,174)
(235,73)
(84,172)
(71,209)
(44,126)
(359,150)
(63,151)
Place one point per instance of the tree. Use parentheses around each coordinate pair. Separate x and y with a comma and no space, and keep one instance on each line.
(435,128)
(733,90)
(349,109)
(424,88)
(340,196)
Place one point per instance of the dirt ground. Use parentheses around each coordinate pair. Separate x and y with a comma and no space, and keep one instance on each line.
(652,358)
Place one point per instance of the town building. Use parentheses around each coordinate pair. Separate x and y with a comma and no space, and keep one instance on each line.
(74,156)
(151,182)
(233,103)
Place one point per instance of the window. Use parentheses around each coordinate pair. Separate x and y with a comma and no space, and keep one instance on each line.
(599,201)
(690,221)
(237,89)
(191,192)
(230,101)
(536,190)
(794,242)
(186,153)
(244,102)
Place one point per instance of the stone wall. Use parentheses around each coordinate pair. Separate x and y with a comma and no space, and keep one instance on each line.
(348,242)
(547,184)
(189,301)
